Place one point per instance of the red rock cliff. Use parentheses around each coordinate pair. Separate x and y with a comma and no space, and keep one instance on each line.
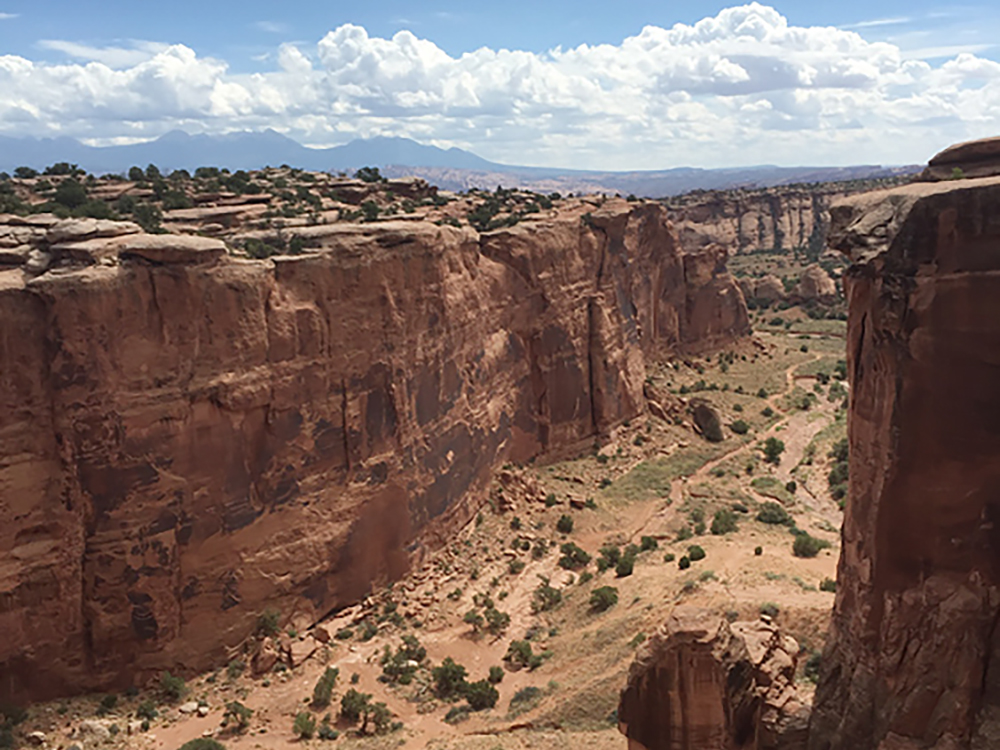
(187,439)
(913,660)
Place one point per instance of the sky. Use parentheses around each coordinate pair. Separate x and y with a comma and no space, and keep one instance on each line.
(587,84)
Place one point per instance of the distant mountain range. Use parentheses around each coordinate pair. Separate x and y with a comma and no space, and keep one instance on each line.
(451,169)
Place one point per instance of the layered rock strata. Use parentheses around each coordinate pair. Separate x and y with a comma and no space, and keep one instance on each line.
(913,658)
(701,683)
(187,438)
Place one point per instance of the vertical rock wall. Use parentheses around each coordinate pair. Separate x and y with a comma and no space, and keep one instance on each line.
(186,440)
(913,661)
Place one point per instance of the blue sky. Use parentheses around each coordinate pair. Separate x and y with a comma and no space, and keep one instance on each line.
(793,83)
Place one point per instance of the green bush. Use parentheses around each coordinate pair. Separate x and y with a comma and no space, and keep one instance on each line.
(269,623)
(603,598)
(323,691)
(669,557)
(237,716)
(449,679)
(353,704)
(573,557)
(368,174)
(740,427)
(545,597)
(625,565)
(808,546)
(773,448)
(773,513)
(828,584)
(813,666)
(70,193)
(172,688)
(758,551)
(648,544)
(724,522)
(684,563)
(770,609)
(564,525)
(496,675)
(203,743)
(304,725)
(696,553)
(481,695)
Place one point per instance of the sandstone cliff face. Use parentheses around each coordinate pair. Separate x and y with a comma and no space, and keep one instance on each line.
(780,219)
(188,439)
(913,660)
(703,684)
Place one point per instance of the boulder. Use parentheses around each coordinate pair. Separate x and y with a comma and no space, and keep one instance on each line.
(172,248)
(815,285)
(707,420)
(769,289)
(93,730)
(701,683)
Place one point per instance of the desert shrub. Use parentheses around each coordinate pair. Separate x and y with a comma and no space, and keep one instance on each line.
(767,412)
(806,545)
(323,691)
(828,584)
(684,563)
(457,714)
(237,716)
(551,500)
(203,743)
(367,630)
(696,553)
(515,566)
(269,623)
(564,525)
(684,534)
(171,687)
(812,667)
(304,725)
(353,704)
(773,513)
(758,551)
(481,695)
(573,557)
(449,679)
(147,710)
(524,700)
(545,597)
(724,522)
(107,704)
(770,609)
(497,622)
(519,654)
(791,486)
(609,557)
(496,675)
(515,524)
(539,550)
(625,566)
(773,448)
(739,427)
(235,668)
(368,174)
(648,544)
(603,598)
(70,193)
(669,557)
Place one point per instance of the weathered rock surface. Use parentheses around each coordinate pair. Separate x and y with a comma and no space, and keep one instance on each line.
(703,684)
(913,658)
(815,284)
(184,443)
(970,159)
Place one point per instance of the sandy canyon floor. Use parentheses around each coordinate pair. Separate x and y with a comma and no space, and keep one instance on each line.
(655,479)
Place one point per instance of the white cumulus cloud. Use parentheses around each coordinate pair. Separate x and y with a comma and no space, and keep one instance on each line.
(742,87)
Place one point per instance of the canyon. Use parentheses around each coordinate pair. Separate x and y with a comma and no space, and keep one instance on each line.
(190,437)
(911,658)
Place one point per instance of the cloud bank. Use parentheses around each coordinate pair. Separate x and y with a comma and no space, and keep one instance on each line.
(742,87)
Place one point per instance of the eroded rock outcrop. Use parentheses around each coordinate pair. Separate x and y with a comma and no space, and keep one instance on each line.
(188,438)
(913,658)
(701,683)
